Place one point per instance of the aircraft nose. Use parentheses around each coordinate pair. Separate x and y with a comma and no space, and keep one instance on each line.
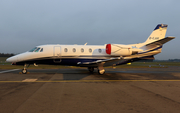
(11,59)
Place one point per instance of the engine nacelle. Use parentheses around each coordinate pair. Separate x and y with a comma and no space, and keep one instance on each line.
(118,50)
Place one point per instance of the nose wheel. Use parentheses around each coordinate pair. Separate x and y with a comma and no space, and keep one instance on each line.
(24,71)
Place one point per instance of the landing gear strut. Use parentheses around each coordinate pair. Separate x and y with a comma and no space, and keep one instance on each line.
(24,71)
(101,70)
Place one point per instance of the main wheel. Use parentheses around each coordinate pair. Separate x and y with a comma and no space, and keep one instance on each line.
(24,71)
(101,72)
(91,69)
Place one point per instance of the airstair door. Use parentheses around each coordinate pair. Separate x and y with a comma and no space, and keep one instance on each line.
(57,54)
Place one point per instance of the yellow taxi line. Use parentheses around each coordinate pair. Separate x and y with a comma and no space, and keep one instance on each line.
(62,81)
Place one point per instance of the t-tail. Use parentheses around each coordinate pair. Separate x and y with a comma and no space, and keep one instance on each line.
(156,39)
(153,45)
(158,33)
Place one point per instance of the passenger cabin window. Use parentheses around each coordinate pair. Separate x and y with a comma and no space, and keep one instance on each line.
(100,50)
(65,50)
(90,50)
(41,50)
(82,50)
(74,50)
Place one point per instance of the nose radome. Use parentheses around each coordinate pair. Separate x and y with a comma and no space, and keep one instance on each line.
(8,60)
(11,59)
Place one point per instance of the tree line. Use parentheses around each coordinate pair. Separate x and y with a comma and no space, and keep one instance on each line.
(174,60)
(6,54)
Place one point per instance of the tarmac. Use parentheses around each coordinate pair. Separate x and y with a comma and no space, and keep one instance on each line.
(131,90)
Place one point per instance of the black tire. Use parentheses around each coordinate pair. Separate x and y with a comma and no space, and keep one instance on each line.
(101,72)
(91,69)
(24,71)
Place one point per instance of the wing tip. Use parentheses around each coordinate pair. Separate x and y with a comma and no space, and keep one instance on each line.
(171,37)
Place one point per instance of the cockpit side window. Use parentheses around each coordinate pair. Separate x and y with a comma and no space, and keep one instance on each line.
(41,50)
(37,50)
(33,49)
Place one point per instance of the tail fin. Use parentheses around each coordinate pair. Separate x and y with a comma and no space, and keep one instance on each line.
(158,33)
(157,38)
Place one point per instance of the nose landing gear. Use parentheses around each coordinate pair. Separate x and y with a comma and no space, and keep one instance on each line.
(24,71)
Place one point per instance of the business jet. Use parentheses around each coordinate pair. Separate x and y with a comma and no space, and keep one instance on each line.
(94,56)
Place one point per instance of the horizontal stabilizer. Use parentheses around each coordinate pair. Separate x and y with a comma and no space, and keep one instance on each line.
(160,42)
(148,58)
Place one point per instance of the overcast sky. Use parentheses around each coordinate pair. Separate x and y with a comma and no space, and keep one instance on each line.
(25,24)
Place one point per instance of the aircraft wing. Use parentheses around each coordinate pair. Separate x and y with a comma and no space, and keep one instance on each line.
(105,62)
(120,60)
(117,60)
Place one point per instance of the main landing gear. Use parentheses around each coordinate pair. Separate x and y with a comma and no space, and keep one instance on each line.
(91,69)
(100,68)
(24,71)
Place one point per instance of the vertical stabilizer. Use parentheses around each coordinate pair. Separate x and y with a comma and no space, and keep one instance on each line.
(158,33)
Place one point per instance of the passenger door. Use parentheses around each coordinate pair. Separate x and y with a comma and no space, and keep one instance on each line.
(57,54)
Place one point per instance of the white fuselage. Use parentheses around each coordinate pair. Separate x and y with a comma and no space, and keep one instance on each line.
(54,52)
(70,54)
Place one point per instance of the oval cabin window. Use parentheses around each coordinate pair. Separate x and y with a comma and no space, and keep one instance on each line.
(74,50)
(90,50)
(82,50)
(100,50)
(65,50)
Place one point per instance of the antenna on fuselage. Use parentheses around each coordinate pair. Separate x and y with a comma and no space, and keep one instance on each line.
(85,43)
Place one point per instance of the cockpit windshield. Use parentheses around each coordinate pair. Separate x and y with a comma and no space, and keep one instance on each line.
(41,50)
(36,49)
(33,49)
